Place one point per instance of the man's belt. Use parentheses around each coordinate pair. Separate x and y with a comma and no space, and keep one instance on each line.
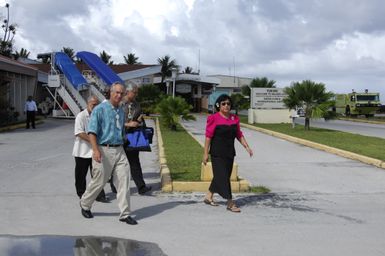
(111,145)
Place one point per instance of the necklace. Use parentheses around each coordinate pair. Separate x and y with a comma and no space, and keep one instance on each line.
(117,117)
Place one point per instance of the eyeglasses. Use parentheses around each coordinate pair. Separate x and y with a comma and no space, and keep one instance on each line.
(225,103)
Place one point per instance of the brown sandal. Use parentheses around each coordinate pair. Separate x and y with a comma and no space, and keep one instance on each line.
(210,202)
(233,208)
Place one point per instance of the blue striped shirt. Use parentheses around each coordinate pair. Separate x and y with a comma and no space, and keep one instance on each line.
(107,123)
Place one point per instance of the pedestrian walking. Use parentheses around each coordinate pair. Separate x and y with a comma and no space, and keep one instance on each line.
(221,130)
(134,121)
(106,131)
(82,150)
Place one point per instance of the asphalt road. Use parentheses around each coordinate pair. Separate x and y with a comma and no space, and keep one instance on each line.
(374,130)
(320,204)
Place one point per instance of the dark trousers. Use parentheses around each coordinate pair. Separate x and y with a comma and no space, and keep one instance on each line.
(30,119)
(222,168)
(136,168)
(81,168)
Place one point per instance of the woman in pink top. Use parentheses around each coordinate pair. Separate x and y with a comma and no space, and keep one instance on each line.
(221,130)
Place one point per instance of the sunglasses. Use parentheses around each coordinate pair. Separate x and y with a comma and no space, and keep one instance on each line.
(225,103)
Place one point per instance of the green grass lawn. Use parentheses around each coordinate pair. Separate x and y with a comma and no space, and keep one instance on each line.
(364,145)
(183,154)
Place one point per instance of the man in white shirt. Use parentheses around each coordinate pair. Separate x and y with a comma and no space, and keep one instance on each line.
(82,150)
(30,109)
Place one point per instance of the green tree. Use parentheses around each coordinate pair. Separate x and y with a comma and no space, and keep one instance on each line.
(262,82)
(257,82)
(6,43)
(172,109)
(22,54)
(310,96)
(239,102)
(149,95)
(131,59)
(106,58)
(166,70)
(70,52)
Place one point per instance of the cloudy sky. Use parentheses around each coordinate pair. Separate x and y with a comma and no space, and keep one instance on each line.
(340,43)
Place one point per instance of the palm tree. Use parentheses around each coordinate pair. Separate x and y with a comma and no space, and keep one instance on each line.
(22,54)
(70,52)
(257,82)
(167,65)
(188,70)
(131,59)
(106,58)
(262,82)
(310,96)
(173,109)
(6,43)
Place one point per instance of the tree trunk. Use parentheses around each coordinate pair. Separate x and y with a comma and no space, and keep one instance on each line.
(307,123)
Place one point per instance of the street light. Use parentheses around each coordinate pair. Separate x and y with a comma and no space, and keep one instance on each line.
(168,85)
(174,73)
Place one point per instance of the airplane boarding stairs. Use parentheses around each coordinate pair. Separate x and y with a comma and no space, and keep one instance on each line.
(70,96)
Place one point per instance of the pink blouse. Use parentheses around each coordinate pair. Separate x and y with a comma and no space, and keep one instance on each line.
(217,119)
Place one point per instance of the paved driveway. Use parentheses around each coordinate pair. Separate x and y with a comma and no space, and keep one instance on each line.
(320,204)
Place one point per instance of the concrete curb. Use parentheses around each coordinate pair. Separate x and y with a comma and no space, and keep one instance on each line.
(361,121)
(165,177)
(340,152)
(18,126)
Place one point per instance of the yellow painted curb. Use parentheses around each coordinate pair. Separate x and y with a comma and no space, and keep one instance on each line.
(336,151)
(165,177)
(203,186)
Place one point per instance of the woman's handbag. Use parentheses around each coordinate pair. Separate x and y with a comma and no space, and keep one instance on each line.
(138,140)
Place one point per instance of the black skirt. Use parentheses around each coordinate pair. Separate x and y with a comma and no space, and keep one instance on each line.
(222,168)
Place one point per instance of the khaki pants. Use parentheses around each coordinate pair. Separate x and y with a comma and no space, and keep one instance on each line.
(114,161)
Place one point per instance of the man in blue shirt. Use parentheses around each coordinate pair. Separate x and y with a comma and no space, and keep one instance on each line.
(106,132)
(30,109)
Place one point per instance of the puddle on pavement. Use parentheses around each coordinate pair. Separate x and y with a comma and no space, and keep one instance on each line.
(77,246)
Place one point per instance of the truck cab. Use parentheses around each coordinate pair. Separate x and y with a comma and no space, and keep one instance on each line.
(358,103)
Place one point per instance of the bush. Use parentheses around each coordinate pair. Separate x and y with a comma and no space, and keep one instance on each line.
(148,97)
(172,109)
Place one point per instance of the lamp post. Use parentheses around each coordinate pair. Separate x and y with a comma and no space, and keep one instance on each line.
(174,72)
(167,86)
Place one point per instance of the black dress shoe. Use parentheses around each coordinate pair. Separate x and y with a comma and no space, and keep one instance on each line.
(86,213)
(144,190)
(103,199)
(129,220)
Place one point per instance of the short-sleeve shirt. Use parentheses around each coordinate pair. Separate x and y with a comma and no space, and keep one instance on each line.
(107,123)
(82,148)
(223,132)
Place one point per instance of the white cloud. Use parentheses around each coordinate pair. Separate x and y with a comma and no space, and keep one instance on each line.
(284,40)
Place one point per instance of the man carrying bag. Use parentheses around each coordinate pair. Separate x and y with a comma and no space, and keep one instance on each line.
(136,137)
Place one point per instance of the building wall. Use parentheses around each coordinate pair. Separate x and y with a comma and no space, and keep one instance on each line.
(235,83)
(20,87)
(269,116)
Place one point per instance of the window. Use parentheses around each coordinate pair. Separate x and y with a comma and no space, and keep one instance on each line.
(146,80)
